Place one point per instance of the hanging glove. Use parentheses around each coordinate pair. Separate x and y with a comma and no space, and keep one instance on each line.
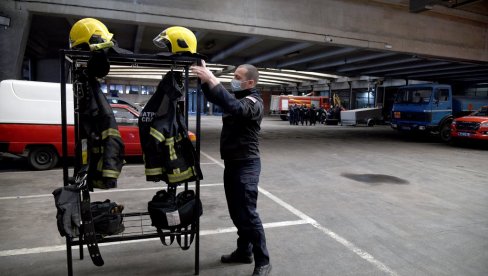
(67,201)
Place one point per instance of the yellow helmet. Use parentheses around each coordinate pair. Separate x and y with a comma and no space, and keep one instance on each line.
(177,40)
(91,32)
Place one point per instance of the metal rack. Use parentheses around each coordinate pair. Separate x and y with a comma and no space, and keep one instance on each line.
(138,224)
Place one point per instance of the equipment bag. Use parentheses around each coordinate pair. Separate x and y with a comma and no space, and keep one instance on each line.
(107,217)
(172,215)
(168,211)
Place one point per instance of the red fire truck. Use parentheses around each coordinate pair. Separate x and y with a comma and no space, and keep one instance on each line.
(280,103)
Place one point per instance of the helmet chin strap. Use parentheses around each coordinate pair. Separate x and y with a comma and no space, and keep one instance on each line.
(98,64)
(101,46)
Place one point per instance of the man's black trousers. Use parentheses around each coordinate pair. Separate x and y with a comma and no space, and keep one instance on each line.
(241,178)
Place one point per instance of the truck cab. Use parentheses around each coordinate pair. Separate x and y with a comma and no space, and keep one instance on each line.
(425,108)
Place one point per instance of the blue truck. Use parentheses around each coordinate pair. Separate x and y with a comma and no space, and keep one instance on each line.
(431,108)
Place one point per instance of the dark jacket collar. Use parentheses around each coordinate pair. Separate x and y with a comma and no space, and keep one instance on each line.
(243,93)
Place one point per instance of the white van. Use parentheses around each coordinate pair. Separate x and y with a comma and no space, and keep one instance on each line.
(30,122)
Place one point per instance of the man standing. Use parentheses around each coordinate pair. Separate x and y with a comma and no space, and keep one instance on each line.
(239,148)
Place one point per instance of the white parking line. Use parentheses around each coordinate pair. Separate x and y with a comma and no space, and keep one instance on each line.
(109,191)
(71,169)
(349,245)
(55,248)
(304,219)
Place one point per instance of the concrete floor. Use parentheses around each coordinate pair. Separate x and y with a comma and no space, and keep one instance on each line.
(335,201)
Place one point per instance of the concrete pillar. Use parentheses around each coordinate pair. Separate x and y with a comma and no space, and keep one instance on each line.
(13,40)
(350,95)
(376,95)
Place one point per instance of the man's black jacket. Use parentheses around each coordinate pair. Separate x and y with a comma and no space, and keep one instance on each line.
(243,113)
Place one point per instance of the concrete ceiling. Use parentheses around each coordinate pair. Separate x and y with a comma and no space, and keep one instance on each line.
(272,53)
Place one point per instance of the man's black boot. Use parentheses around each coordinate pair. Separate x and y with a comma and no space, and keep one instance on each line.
(262,270)
(236,257)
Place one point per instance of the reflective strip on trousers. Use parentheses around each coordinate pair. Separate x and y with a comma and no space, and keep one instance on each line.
(156,134)
(178,176)
(84,151)
(110,173)
(100,165)
(154,171)
(110,132)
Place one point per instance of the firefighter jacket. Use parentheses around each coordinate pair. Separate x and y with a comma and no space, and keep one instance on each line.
(168,152)
(101,144)
(243,113)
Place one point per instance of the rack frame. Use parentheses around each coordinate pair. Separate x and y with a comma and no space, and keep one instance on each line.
(73,58)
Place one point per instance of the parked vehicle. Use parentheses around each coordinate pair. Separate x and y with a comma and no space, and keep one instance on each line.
(431,108)
(368,116)
(280,104)
(117,100)
(30,122)
(473,126)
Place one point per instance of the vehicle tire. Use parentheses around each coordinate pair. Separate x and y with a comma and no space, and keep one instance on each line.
(445,131)
(370,122)
(42,158)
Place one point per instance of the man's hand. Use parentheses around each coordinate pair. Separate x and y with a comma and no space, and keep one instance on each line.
(205,75)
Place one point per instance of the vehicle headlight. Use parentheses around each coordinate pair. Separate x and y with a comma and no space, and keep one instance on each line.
(484,124)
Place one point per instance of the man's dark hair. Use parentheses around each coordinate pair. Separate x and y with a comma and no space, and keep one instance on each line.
(252,72)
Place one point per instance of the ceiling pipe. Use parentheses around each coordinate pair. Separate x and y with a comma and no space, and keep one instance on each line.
(349,61)
(456,72)
(279,52)
(236,47)
(332,53)
(472,75)
(402,73)
(226,70)
(355,68)
(397,68)
(476,79)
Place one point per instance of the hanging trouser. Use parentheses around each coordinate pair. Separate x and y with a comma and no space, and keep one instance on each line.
(241,178)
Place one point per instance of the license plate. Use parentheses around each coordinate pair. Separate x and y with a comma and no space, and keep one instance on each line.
(464,134)
(406,128)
